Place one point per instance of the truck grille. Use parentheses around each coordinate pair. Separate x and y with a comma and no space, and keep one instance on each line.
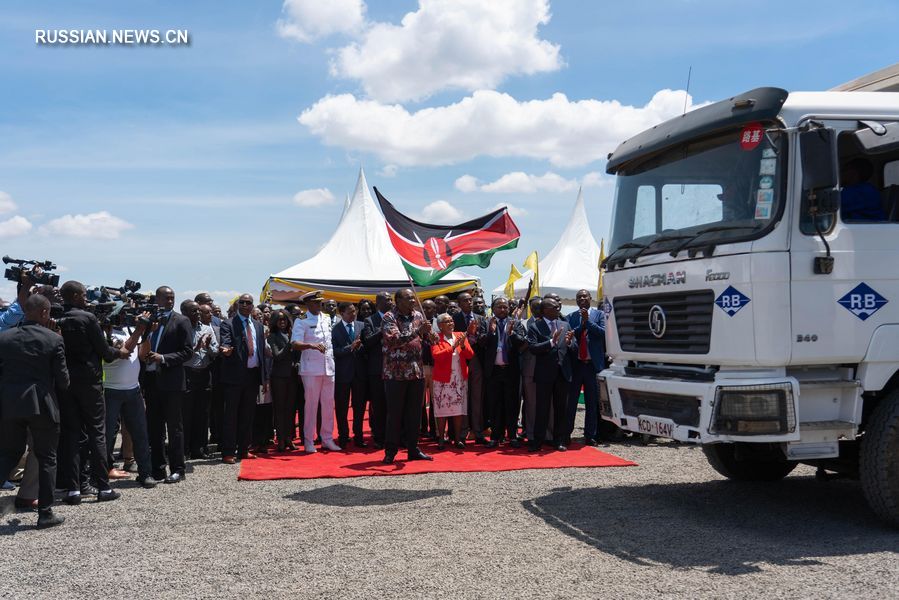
(688,327)
(683,410)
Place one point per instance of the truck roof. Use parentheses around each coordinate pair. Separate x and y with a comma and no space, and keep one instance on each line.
(760,104)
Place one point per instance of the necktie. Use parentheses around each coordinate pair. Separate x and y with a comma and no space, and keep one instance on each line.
(352,332)
(155,340)
(502,340)
(250,350)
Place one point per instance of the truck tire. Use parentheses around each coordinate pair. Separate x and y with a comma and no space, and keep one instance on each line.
(879,460)
(722,458)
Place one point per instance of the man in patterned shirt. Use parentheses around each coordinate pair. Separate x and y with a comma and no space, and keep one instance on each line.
(403,330)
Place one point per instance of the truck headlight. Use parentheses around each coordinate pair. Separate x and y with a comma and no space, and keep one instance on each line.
(754,410)
(605,406)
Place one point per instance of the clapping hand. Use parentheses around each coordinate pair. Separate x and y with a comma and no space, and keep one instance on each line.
(569,335)
(357,343)
(492,324)
(473,327)
(556,335)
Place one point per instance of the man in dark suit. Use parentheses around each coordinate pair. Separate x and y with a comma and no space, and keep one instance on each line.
(171,345)
(83,410)
(34,371)
(587,359)
(350,376)
(243,370)
(528,387)
(505,336)
(549,339)
(477,416)
(371,339)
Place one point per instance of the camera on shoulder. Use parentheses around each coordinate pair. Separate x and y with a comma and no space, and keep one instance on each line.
(31,267)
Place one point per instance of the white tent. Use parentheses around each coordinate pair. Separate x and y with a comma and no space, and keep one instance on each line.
(572,264)
(358,261)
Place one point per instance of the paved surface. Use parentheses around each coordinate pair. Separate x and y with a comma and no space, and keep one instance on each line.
(671,527)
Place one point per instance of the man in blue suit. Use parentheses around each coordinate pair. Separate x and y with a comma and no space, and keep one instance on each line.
(350,374)
(587,360)
(244,370)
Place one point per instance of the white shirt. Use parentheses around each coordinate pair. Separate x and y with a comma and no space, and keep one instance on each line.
(315,330)
(122,374)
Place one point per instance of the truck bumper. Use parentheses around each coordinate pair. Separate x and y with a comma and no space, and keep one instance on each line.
(724,409)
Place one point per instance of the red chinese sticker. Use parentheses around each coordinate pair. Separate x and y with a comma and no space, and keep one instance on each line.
(751,136)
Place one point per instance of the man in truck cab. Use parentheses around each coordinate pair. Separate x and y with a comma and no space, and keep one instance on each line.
(859,200)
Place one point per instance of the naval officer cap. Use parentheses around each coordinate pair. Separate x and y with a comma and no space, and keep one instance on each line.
(316,296)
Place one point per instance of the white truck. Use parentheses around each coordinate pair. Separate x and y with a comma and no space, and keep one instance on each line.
(752,286)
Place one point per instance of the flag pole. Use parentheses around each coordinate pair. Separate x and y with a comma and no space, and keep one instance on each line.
(421,309)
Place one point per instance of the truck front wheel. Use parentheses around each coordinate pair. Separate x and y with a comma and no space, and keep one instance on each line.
(879,459)
(747,463)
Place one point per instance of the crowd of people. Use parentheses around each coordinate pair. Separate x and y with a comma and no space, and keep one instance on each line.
(184,385)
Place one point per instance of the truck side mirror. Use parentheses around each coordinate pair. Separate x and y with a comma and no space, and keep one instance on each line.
(818,153)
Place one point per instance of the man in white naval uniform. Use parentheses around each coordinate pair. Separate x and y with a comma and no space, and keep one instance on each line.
(312,336)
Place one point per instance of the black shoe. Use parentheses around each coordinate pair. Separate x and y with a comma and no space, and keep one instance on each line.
(516,443)
(198,455)
(147,482)
(561,448)
(360,443)
(108,496)
(130,467)
(591,442)
(533,446)
(388,458)
(441,444)
(174,478)
(73,500)
(89,490)
(46,518)
(481,441)
(159,475)
(492,443)
(419,455)
(378,445)
(460,444)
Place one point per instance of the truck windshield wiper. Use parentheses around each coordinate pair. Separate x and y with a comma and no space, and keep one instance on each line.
(624,246)
(706,230)
(660,238)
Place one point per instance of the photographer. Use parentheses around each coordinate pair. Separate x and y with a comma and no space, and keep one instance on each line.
(121,388)
(83,409)
(13,315)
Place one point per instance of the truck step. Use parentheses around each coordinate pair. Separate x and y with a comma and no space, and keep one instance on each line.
(819,425)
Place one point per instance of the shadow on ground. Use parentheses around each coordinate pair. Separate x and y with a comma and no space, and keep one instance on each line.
(348,495)
(726,527)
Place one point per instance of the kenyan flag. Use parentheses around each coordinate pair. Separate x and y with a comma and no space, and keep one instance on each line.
(431,251)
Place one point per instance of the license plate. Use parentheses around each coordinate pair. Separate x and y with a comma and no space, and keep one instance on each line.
(656,427)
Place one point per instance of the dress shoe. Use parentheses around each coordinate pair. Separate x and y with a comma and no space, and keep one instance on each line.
(7,486)
(441,444)
(291,446)
(174,478)
(118,474)
(147,482)
(460,444)
(89,490)
(378,445)
(198,455)
(228,460)
(46,518)
(330,445)
(480,441)
(591,442)
(130,467)
(343,442)
(492,444)
(25,503)
(419,455)
(247,454)
(561,448)
(108,496)
(360,443)
(388,458)
(310,449)
(281,448)
(533,447)
(516,443)
(72,500)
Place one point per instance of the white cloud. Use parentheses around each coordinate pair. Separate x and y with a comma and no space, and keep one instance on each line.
(487,123)
(514,211)
(519,182)
(6,203)
(15,226)
(449,44)
(600,180)
(100,225)
(389,171)
(309,20)
(314,197)
(466,183)
(440,212)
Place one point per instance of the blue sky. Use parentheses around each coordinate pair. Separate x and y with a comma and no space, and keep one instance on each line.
(181,164)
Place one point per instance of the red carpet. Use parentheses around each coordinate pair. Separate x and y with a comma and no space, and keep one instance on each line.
(356,462)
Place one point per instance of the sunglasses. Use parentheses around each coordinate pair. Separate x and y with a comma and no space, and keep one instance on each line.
(245,302)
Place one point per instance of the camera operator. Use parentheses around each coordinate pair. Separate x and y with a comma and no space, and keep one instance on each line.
(13,315)
(35,371)
(84,409)
(121,388)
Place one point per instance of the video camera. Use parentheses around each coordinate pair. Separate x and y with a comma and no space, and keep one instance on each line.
(23,266)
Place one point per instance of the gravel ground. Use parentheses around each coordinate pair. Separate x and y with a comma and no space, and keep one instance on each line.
(670,527)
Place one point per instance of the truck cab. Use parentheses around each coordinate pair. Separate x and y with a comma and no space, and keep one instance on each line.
(752,286)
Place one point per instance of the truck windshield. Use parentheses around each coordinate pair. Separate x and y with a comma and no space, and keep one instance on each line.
(707,191)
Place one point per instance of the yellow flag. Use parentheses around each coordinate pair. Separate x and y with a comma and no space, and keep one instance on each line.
(532,263)
(514,275)
(602,257)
